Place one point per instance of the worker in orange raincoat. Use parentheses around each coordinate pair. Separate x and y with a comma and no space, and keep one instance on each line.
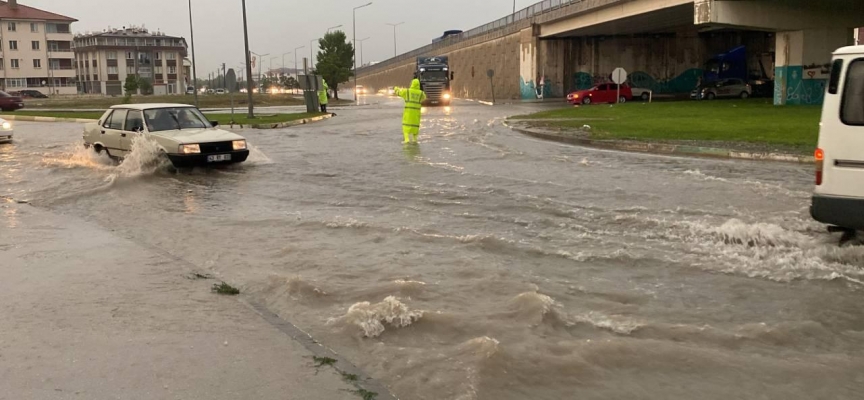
(414,98)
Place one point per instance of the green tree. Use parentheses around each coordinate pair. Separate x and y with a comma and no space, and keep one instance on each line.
(131,85)
(335,59)
(288,82)
(145,86)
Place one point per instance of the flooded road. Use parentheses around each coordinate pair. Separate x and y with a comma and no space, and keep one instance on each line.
(483,264)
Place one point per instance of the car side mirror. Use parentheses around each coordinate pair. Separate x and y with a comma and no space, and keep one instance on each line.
(214,123)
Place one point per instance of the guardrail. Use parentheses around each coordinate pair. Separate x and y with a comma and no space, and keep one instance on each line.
(521,15)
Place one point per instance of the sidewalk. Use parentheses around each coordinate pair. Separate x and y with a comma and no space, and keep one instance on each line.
(89,315)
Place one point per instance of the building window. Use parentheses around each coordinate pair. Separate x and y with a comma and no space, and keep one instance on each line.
(94,63)
(12,27)
(157,70)
(34,27)
(14,63)
(130,55)
(37,63)
(1,64)
(112,70)
(130,70)
(57,28)
(172,69)
(13,45)
(158,55)
(35,44)
(16,82)
(171,56)
(112,55)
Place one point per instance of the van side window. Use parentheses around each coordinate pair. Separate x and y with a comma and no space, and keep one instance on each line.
(834,82)
(852,108)
(117,119)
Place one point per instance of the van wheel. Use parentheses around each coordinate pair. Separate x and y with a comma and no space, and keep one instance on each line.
(645,96)
(745,95)
(622,99)
(586,101)
(710,96)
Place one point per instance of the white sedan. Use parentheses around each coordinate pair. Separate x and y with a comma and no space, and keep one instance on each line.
(181,131)
(6,131)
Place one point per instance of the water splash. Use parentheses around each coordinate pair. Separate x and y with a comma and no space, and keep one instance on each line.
(146,158)
(370,318)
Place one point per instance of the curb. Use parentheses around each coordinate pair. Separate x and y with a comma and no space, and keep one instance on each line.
(288,124)
(665,148)
(31,118)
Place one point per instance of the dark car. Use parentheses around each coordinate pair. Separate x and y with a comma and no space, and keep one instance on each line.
(34,94)
(9,102)
(731,87)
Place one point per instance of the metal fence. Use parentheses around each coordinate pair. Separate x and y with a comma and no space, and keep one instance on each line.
(521,15)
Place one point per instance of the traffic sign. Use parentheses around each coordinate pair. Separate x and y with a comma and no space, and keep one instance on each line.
(619,76)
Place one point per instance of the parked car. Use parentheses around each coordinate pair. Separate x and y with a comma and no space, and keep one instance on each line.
(182,132)
(731,87)
(221,91)
(34,94)
(603,93)
(360,90)
(9,102)
(6,131)
(640,93)
(190,90)
(838,198)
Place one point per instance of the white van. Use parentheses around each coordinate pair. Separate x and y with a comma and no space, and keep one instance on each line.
(839,196)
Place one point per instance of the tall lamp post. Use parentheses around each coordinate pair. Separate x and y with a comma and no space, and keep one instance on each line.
(332,28)
(360,42)
(354,22)
(395,50)
(260,62)
(311,51)
(192,39)
(251,114)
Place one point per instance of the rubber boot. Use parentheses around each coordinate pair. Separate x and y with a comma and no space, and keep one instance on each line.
(415,137)
(407,137)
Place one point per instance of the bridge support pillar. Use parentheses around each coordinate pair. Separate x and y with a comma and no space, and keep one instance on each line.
(803,63)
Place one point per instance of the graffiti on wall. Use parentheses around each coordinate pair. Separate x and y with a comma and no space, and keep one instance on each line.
(800,89)
(548,88)
(683,83)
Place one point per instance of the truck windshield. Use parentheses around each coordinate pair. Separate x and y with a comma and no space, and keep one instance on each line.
(437,75)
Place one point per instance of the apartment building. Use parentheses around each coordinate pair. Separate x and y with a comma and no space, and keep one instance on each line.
(35,50)
(104,59)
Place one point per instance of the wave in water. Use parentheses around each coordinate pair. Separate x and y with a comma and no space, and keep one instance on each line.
(371,318)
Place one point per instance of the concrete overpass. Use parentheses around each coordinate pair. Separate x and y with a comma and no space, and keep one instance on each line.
(557,46)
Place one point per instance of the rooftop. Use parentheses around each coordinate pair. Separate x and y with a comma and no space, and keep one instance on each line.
(25,12)
(132,31)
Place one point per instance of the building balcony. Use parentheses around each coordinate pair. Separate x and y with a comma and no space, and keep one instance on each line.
(68,37)
(61,54)
(63,72)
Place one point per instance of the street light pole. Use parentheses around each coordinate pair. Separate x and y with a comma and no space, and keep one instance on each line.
(514,7)
(395,49)
(360,42)
(251,114)
(192,39)
(330,29)
(295,59)
(311,49)
(260,63)
(354,23)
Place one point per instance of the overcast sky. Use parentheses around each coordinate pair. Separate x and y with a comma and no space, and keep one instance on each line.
(279,26)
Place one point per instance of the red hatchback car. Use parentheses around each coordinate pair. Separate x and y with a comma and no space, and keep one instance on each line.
(9,102)
(603,93)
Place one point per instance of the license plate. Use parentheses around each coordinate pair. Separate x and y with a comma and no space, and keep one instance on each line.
(219,157)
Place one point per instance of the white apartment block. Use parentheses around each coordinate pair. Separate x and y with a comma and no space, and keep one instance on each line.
(103,60)
(35,50)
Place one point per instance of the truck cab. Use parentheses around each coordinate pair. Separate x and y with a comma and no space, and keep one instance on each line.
(435,78)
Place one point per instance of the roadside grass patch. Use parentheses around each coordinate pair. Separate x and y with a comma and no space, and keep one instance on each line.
(322,361)
(748,121)
(225,289)
(350,377)
(365,394)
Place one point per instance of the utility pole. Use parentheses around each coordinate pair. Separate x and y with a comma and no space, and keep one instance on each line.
(251,114)
(395,49)
(194,66)
(296,73)
(224,72)
(311,48)
(354,23)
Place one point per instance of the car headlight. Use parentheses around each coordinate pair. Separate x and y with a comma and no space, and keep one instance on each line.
(7,126)
(239,144)
(190,149)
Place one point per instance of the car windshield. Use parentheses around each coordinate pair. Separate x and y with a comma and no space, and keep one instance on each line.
(4,94)
(174,118)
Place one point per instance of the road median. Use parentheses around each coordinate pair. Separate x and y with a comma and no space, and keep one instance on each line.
(748,130)
(270,121)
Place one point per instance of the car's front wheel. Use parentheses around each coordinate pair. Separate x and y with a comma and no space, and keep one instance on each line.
(622,99)
(745,95)
(710,96)
(645,96)
(586,101)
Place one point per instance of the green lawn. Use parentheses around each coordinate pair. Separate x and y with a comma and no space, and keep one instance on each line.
(752,121)
(222,118)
